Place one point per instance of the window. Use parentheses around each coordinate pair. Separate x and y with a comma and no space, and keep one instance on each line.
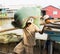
(55,12)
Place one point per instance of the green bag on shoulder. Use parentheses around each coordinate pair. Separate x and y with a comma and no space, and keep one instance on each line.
(24,13)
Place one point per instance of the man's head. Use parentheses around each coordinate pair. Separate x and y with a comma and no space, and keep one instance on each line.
(29,21)
(46,17)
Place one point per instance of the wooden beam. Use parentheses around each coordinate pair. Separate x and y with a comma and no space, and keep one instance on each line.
(8,29)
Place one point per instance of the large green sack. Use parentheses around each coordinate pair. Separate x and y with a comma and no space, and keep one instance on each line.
(24,13)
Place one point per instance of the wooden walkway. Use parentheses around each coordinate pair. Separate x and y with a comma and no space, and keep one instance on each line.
(8,48)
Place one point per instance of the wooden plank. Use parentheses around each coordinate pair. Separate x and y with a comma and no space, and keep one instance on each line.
(7,48)
(8,30)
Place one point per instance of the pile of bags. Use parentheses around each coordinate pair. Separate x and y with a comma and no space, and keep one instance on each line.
(11,37)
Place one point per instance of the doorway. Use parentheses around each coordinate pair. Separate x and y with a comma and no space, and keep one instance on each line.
(43,12)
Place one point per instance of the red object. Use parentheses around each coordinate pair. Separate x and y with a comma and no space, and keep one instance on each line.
(52,11)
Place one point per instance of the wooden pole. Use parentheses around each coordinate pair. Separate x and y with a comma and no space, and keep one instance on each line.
(8,29)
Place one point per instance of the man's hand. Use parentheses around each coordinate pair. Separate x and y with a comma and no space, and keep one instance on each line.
(41,32)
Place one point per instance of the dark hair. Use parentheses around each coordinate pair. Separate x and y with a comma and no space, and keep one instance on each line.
(28,23)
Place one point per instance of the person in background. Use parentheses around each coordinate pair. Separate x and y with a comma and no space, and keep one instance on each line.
(48,19)
(28,42)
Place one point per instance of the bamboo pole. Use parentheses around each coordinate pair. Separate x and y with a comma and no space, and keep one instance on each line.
(8,30)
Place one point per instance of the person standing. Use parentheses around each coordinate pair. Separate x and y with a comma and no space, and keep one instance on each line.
(28,41)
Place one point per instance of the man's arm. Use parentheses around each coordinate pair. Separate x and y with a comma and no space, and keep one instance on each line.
(40,30)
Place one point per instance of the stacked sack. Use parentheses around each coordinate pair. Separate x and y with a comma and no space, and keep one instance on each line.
(11,37)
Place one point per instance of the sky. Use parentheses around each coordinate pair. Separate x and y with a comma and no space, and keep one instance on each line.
(17,3)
